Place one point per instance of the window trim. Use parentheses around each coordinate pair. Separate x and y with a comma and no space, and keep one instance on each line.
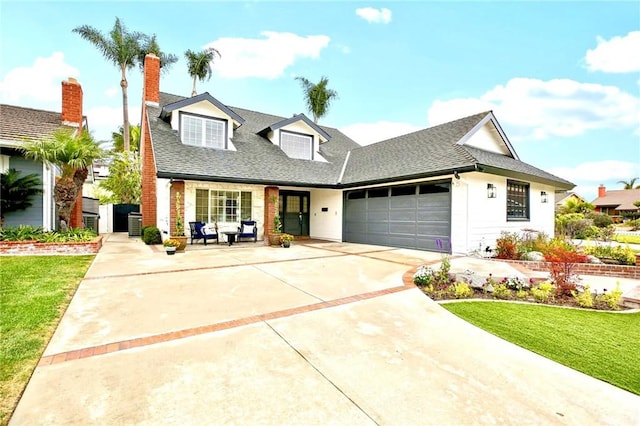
(239,207)
(204,119)
(527,216)
(298,134)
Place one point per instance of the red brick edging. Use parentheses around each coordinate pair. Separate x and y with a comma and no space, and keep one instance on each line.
(601,269)
(33,248)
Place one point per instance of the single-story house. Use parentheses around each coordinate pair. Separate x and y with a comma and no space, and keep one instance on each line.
(562,198)
(450,188)
(617,203)
(18,124)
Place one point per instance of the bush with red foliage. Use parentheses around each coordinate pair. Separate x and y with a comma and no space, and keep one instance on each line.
(562,261)
(507,246)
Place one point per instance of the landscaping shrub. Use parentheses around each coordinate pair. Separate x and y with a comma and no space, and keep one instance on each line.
(500,291)
(38,234)
(601,220)
(624,255)
(612,298)
(462,290)
(571,224)
(633,224)
(562,262)
(151,235)
(584,298)
(507,246)
(588,232)
(532,241)
(543,292)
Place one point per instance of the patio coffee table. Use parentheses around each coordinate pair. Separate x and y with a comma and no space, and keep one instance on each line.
(231,236)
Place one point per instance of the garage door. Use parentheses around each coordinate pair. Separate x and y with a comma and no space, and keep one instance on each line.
(413,216)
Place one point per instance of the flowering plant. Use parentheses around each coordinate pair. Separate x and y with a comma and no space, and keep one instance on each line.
(286,237)
(171,243)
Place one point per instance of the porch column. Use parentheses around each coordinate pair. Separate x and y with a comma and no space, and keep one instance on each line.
(271,197)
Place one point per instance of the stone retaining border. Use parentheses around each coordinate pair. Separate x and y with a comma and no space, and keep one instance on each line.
(33,248)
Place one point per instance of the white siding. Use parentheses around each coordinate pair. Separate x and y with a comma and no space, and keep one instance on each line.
(488,138)
(257,202)
(163,188)
(477,221)
(206,109)
(299,127)
(326,225)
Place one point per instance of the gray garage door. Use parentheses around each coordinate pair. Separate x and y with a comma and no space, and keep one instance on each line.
(412,216)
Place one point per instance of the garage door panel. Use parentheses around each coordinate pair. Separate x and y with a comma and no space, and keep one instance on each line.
(395,218)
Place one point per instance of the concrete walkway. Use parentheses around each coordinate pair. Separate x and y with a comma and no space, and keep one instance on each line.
(318,334)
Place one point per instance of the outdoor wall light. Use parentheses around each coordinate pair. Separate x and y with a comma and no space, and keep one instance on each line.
(544,198)
(492,191)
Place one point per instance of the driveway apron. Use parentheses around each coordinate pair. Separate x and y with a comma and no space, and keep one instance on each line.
(320,333)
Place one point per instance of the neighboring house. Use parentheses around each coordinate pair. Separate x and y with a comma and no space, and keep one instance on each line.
(617,203)
(561,198)
(18,124)
(449,188)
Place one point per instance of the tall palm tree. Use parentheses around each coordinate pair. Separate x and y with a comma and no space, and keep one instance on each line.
(16,192)
(134,138)
(72,153)
(199,65)
(121,48)
(631,184)
(150,45)
(317,96)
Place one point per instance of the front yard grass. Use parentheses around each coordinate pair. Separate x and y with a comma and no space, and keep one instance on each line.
(603,345)
(34,294)
(627,239)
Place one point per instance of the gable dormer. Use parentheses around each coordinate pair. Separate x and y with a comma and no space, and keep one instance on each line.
(298,137)
(203,120)
(489,136)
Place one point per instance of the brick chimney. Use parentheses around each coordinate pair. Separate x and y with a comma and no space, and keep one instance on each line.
(72,103)
(602,191)
(151,78)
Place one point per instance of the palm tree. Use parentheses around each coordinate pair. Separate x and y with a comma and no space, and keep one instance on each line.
(122,48)
(134,138)
(72,153)
(150,45)
(576,206)
(199,64)
(630,184)
(317,96)
(16,192)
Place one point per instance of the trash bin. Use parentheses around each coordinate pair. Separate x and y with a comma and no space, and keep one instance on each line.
(135,224)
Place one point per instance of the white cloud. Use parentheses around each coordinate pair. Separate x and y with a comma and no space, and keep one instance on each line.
(598,171)
(111,92)
(374,16)
(268,57)
(537,109)
(620,54)
(40,81)
(368,133)
(104,120)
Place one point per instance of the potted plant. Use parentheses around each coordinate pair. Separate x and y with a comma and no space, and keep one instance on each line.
(285,240)
(171,245)
(179,234)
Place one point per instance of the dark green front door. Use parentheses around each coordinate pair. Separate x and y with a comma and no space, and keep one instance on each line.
(294,211)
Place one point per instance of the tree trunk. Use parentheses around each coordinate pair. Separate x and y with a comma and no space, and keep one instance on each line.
(193,91)
(65,193)
(125,111)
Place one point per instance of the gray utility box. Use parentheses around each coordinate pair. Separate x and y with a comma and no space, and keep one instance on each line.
(135,224)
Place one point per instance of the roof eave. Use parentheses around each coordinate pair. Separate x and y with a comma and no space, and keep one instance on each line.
(414,176)
(226,179)
(558,184)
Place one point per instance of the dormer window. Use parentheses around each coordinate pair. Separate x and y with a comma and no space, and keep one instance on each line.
(297,145)
(204,131)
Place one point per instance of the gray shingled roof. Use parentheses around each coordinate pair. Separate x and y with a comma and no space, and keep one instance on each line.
(256,160)
(620,199)
(18,123)
(428,152)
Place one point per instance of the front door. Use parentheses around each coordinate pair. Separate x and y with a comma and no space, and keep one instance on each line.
(294,211)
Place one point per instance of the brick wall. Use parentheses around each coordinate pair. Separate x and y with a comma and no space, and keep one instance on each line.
(72,116)
(602,269)
(271,208)
(151,93)
(30,248)
(176,187)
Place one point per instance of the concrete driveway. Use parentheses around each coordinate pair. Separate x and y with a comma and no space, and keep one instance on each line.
(321,333)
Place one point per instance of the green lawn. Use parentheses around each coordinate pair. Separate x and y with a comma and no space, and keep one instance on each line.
(34,293)
(628,239)
(604,345)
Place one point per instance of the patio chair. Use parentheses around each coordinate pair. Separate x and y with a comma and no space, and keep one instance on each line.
(248,229)
(199,231)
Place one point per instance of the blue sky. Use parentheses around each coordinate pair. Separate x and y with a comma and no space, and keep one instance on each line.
(563,78)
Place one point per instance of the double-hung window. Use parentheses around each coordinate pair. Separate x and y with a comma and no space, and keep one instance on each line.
(203,131)
(517,200)
(297,145)
(222,206)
